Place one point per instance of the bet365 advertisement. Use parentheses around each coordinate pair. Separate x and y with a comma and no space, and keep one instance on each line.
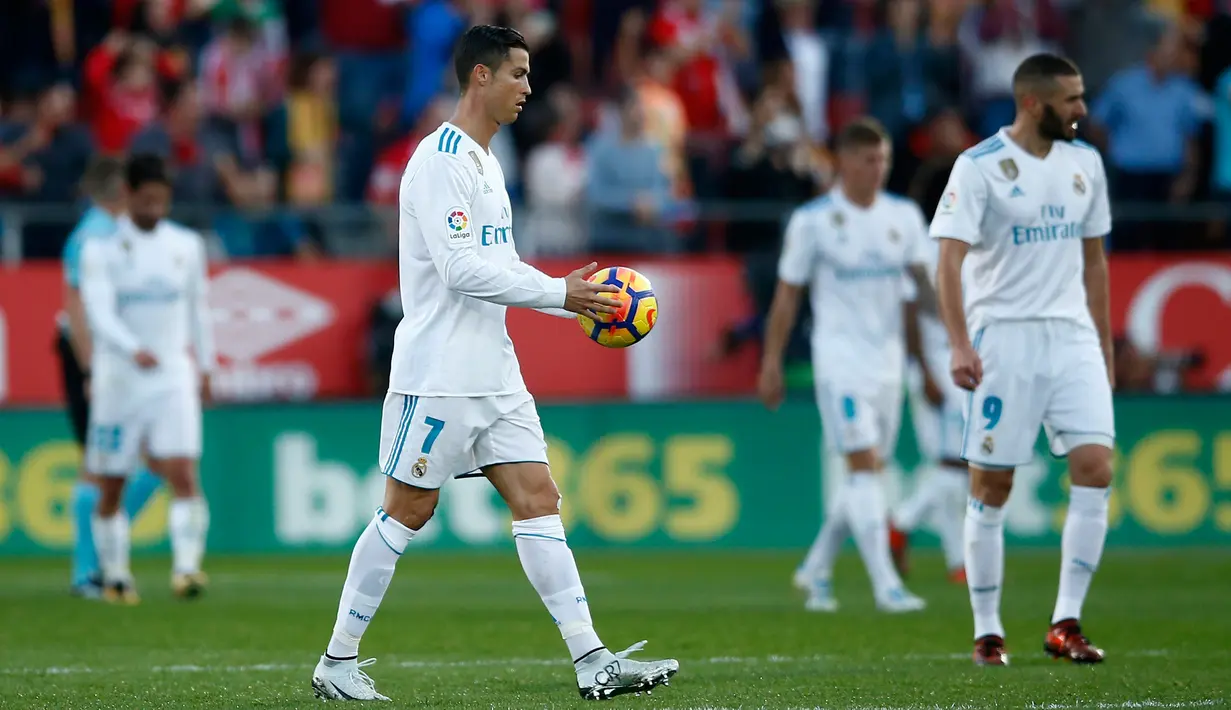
(724,474)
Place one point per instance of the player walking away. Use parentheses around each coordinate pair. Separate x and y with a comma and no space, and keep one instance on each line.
(936,407)
(852,248)
(457,404)
(103,183)
(1028,208)
(145,298)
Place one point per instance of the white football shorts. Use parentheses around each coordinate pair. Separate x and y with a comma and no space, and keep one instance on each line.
(938,430)
(1038,372)
(160,420)
(424,441)
(858,415)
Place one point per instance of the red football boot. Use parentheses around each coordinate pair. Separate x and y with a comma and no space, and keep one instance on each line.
(990,651)
(957,575)
(899,547)
(1065,640)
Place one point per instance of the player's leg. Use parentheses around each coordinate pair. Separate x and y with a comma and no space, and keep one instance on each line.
(814,576)
(86,579)
(174,451)
(417,454)
(512,454)
(140,488)
(112,452)
(1002,420)
(952,480)
(1080,424)
(923,499)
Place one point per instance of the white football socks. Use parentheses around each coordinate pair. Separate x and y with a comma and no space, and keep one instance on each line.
(1081,546)
(925,498)
(823,555)
(371,569)
(868,517)
(954,483)
(112,542)
(188,526)
(985,565)
(552,571)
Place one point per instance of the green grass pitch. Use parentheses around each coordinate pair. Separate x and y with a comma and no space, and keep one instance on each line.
(467,631)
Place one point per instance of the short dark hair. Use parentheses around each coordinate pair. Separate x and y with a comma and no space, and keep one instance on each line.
(863,132)
(488,45)
(145,168)
(1038,70)
(103,180)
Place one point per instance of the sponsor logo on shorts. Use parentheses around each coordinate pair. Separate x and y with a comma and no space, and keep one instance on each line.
(419,470)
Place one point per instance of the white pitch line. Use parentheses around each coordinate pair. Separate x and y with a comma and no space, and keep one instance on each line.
(528,662)
(1126,705)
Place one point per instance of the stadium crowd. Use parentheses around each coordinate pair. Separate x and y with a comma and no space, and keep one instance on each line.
(648,111)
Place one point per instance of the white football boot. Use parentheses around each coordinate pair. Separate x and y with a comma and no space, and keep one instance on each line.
(344,681)
(605,674)
(900,601)
(819,591)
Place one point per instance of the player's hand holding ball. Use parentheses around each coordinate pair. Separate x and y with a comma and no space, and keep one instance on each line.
(966,367)
(635,311)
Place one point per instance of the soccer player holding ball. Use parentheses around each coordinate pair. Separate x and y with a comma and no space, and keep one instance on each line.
(855,249)
(457,405)
(1030,331)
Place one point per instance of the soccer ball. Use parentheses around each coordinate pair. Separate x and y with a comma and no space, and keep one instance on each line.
(638,311)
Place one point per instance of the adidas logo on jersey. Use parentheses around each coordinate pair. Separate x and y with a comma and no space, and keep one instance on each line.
(487,189)
(1016,192)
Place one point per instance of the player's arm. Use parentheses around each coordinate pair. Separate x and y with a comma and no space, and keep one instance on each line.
(958,220)
(202,328)
(795,268)
(74,309)
(557,312)
(442,188)
(1095,271)
(914,346)
(916,268)
(99,298)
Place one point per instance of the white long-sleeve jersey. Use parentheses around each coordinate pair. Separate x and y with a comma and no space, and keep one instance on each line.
(148,291)
(459,271)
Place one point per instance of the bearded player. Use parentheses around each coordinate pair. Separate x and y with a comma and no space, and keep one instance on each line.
(457,405)
(1031,340)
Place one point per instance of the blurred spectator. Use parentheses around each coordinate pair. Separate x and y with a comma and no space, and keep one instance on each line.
(121,92)
(1220,175)
(432,28)
(1091,22)
(1149,115)
(776,163)
(42,162)
(809,64)
(908,76)
(945,139)
(627,190)
(1138,371)
(36,44)
(702,45)
(311,120)
(240,82)
(666,119)
(998,36)
(556,182)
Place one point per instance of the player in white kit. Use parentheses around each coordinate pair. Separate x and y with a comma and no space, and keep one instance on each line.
(856,248)
(145,296)
(936,409)
(457,404)
(1028,210)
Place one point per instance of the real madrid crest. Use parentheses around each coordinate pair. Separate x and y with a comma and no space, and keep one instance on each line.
(988,445)
(419,470)
(478,164)
(1079,185)
(1009,168)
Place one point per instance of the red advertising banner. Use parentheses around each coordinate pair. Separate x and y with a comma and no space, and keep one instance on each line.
(1180,303)
(300,331)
